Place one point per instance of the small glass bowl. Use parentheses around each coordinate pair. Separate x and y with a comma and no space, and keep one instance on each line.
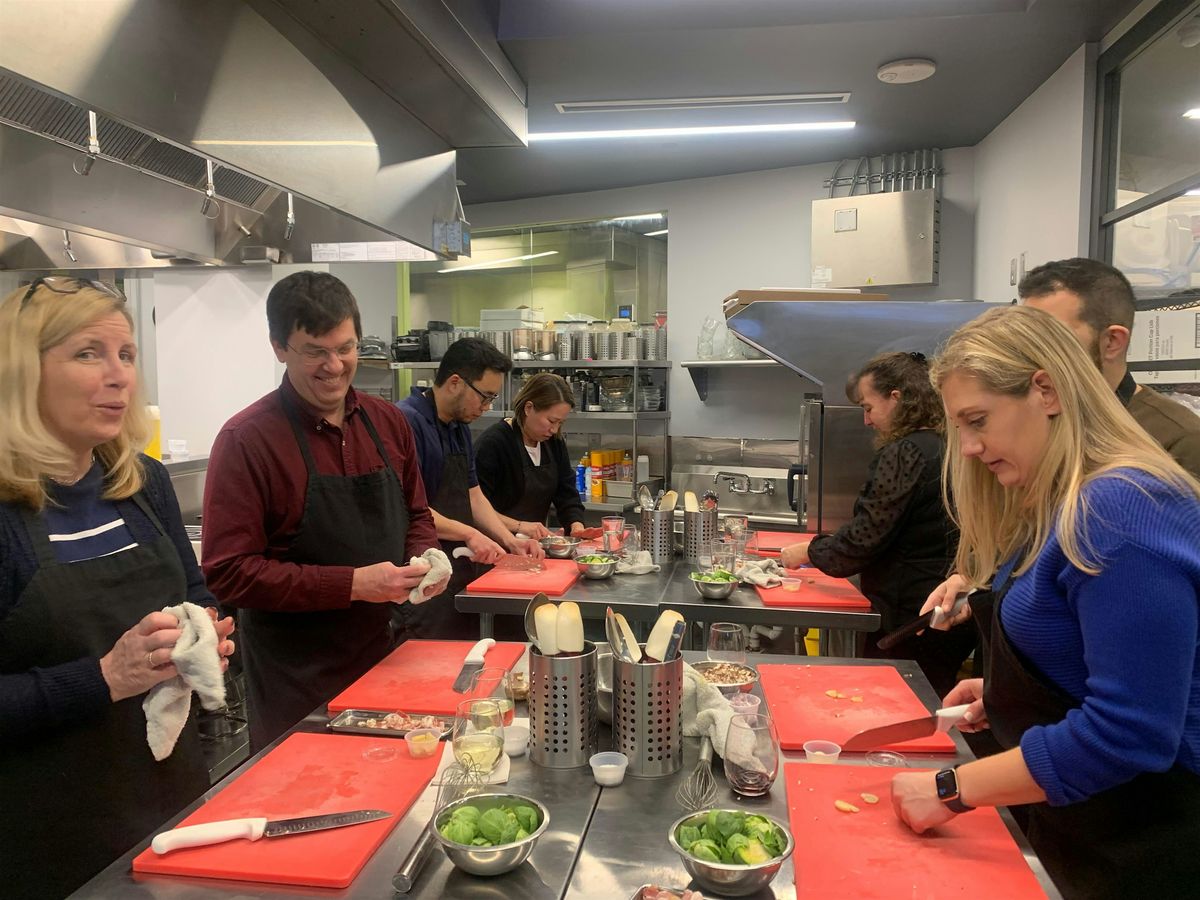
(886,758)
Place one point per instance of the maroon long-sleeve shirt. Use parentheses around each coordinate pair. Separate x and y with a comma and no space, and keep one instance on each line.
(254,499)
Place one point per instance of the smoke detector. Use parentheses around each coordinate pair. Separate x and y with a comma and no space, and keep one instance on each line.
(906,71)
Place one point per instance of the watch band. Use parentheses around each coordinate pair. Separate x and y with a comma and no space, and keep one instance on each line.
(947,790)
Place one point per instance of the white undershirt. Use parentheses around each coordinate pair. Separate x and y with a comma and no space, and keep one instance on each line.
(535,453)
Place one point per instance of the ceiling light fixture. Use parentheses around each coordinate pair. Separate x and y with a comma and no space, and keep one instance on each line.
(640,217)
(245,143)
(906,71)
(496,262)
(702,131)
(655,233)
(1192,113)
(750,101)
(84,166)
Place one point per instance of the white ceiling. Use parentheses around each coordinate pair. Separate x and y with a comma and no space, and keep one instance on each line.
(991,55)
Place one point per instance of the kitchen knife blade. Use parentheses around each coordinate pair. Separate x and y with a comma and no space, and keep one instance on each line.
(509,561)
(472,664)
(886,735)
(253,829)
(920,623)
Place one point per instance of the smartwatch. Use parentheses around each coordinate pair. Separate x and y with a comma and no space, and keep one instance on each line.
(947,791)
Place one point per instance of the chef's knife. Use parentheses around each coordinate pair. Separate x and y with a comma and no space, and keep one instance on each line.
(886,735)
(508,561)
(922,622)
(253,829)
(472,664)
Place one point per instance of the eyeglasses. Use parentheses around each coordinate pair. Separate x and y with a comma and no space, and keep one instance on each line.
(315,356)
(488,399)
(62,284)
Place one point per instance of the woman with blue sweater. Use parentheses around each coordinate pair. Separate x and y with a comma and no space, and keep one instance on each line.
(92,548)
(1089,535)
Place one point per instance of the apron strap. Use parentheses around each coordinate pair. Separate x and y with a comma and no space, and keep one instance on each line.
(375,437)
(145,508)
(293,418)
(39,536)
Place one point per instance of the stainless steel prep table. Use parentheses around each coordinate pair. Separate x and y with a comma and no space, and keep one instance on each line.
(640,598)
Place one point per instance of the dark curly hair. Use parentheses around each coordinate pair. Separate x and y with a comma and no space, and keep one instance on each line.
(920,407)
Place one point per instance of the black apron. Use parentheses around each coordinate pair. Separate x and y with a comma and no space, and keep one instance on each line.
(436,618)
(82,794)
(541,484)
(1138,839)
(298,661)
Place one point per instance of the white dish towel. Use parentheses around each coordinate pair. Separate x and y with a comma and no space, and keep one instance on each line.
(195,656)
(439,571)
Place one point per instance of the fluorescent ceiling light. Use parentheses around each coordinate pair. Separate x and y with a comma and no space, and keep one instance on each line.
(1192,113)
(496,262)
(627,133)
(673,103)
(655,233)
(1195,192)
(221,143)
(638,218)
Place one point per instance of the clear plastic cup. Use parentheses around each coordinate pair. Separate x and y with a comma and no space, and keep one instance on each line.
(791,584)
(745,704)
(822,751)
(608,768)
(516,740)
(423,742)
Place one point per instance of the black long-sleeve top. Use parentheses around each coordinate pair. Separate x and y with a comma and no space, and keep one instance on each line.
(499,453)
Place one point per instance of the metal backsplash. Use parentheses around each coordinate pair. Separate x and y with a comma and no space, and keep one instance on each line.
(748,476)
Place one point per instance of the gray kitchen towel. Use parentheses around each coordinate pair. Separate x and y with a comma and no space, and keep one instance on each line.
(195,656)
(705,709)
(439,571)
(763,572)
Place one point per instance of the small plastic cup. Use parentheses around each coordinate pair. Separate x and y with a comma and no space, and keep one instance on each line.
(608,768)
(791,584)
(516,739)
(745,704)
(822,751)
(423,742)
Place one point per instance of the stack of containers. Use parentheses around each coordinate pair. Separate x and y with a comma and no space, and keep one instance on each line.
(606,466)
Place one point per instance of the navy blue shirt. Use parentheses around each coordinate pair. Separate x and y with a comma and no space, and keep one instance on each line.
(435,439)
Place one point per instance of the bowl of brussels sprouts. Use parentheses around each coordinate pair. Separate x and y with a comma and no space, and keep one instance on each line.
(490,834)
(731,852)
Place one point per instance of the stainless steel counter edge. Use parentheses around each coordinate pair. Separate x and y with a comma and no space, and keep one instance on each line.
(186,464)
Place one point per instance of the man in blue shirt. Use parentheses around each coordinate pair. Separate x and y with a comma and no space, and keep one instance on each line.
(468,381)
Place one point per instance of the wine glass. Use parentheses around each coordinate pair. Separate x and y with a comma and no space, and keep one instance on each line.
(751,754)
(494,683)
(704,557)
(736,526)
(478,736)
(727,643)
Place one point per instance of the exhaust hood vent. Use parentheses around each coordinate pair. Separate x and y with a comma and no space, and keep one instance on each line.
(40,112)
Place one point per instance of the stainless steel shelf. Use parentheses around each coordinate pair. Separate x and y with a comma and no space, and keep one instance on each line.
(606,505)
(698,369)
(591,364)
(657,415)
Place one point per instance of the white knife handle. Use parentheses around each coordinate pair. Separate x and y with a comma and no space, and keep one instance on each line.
(208,833)
(479,651)
(459,552)
(949,716)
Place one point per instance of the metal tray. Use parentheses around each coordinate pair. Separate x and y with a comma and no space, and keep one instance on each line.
(348,721)
(638,893)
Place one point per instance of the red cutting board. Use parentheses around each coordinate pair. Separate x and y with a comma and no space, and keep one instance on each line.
(803,712)
(817,591)
(872,855)
(418,676)
(769,543)
(306,775)
(556,577)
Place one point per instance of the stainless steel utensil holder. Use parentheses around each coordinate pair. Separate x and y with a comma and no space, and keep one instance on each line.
(648,715)
(657,527)
(563,718)
(698,528)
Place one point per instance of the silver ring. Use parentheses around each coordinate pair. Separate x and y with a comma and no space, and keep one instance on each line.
(150,659)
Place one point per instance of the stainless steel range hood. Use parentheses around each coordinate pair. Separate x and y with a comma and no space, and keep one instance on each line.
(364,147)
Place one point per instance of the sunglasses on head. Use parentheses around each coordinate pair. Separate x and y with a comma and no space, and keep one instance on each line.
(63,284)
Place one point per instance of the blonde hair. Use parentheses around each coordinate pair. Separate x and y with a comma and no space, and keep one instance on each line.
(1092,435)
(29,453)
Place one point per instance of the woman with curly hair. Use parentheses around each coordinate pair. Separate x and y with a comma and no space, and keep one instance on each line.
(900,540)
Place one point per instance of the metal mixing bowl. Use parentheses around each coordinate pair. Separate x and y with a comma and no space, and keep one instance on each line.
(597,570)
(734,687)
(558,547)
(713,590)
(491,860)
(729,880)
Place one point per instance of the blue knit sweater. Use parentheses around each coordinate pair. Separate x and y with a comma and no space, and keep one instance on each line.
(1123,643)
(55,696)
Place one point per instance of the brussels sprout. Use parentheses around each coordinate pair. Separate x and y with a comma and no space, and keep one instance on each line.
(521,834)
(459,830)
(492,824)
(736,842)
(708,851)
(774,840)
(511,827)
(481,842)
(710,833)
(470,813)
(728,823)
(751,854)
(687,835)
(528,817)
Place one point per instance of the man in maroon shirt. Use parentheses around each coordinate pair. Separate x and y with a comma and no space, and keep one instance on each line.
(313,506)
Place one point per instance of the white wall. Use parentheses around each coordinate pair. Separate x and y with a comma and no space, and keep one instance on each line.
(744,231)
(1033,176)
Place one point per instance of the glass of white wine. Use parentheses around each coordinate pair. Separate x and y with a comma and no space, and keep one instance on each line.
(478,736)
(494,683)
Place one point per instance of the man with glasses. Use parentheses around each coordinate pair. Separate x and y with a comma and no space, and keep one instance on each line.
(468,382)
(313,505)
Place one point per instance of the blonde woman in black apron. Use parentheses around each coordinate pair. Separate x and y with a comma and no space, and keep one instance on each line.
(1089,534)
(92,547)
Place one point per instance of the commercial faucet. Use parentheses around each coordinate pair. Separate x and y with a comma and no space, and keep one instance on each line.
(736,487)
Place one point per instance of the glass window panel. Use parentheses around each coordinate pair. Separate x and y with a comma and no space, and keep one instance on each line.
(1159,249)
(1157,144)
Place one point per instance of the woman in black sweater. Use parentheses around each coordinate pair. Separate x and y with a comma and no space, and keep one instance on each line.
(522,462)
(901,540)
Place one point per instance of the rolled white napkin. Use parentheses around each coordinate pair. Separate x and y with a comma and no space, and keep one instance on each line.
(439,571)
(195,656)
(641,563)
